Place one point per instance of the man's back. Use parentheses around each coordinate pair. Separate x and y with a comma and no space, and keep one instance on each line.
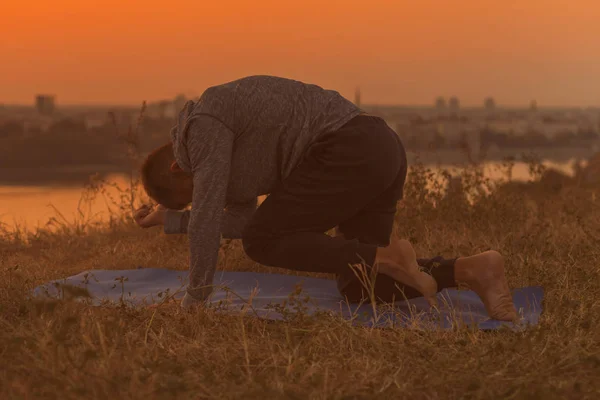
(273,120)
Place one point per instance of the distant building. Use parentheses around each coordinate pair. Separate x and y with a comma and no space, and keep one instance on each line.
(162,108)
(489,104)
(179,102)
(45,104)
(511,126)
(556,128)
(452,131)
(96,120)
(440,106)
(357,97)
(123,119)
(454,106)
(533,106)
(37,125)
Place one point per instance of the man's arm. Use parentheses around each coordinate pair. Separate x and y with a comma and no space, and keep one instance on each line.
(210,147)
(235,218)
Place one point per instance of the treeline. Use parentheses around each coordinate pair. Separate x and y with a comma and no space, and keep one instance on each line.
(489,138)
(69,142)
(580,138)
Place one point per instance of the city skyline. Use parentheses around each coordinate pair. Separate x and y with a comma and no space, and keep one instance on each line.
(432,104)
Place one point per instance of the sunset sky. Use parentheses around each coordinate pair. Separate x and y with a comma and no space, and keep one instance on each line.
(398,52)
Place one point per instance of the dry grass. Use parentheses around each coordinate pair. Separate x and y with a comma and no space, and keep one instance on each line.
(69,350)
(550,235)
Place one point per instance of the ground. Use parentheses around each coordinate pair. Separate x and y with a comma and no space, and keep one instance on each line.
(69,350)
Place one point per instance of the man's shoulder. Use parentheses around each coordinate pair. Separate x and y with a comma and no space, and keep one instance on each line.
(224,98)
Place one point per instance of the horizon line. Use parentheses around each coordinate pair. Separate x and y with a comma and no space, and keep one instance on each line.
(385,105)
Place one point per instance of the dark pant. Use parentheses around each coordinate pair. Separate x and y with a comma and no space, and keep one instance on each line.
(351,178)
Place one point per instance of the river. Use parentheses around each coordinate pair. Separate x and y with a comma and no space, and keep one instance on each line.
(34,205)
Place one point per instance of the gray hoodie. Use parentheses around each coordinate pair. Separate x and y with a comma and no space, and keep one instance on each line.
(239,141)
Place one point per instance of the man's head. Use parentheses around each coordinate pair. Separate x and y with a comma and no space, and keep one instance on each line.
(164,181)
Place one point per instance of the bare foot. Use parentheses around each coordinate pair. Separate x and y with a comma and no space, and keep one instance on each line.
(484,274)
(399,261)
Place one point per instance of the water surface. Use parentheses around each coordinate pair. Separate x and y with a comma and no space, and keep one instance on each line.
(33,206)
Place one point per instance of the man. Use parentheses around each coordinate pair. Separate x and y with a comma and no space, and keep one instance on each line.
(324,164)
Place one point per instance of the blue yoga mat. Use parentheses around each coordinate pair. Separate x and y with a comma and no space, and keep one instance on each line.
(272,296)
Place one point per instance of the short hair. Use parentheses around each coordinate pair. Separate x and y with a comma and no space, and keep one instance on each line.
(159,182)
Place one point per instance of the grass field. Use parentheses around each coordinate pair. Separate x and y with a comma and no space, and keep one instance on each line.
(550,236)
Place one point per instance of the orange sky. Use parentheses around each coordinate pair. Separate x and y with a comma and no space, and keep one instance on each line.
(398,52)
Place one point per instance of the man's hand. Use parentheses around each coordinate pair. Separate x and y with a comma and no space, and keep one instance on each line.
(147,217)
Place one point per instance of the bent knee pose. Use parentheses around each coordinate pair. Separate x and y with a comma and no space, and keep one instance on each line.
(324,164)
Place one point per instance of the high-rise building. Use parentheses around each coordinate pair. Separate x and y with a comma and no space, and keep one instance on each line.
(440,103)
(440,106)
(454,106)
(178,102)
(489,104)
(533,106)
(357,97)
(45,104)
(162,107)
